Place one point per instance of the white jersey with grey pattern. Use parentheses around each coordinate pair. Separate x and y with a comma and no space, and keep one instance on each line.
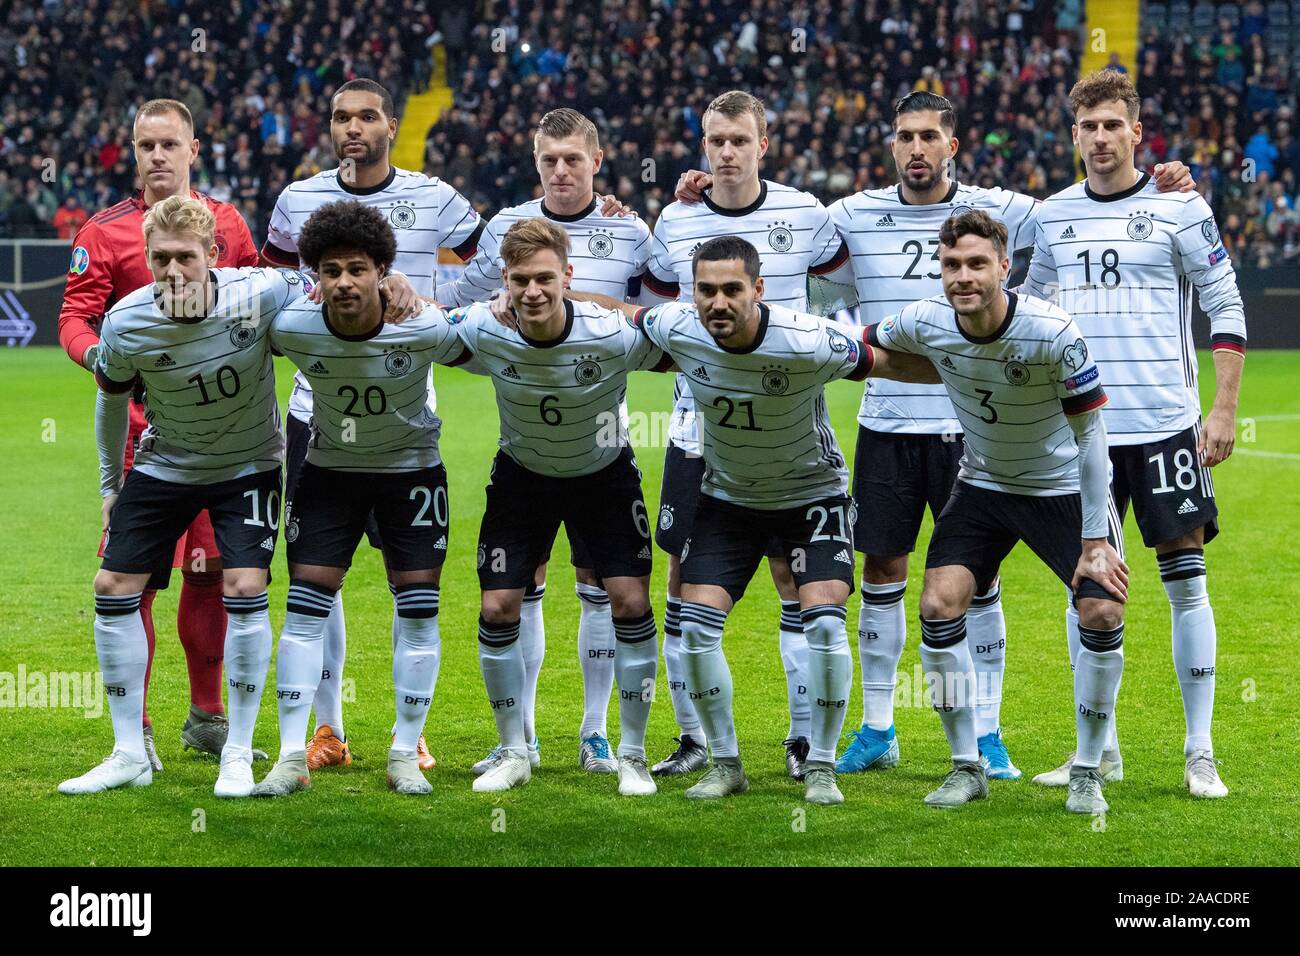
(371,410)
(559,401)
(1012,389)
(1125,266)
(209,380)
(425,213)
(765,432)
(894,248)
(608,253)
(793,234)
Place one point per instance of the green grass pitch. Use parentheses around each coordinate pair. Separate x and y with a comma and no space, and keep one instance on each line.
(49,516)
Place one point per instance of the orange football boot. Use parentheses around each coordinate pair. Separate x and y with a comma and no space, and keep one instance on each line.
(424,758)
(326,750)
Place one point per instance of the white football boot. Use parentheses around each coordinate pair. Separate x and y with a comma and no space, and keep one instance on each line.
(1201,777)
(634,778)
(1112,771)
(235,778)
(116,770)
(511,770)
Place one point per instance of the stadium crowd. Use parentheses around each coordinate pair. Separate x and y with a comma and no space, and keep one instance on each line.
(1218,94)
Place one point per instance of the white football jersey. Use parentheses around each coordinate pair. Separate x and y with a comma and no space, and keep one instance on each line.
(793,234)
(425,213)
(559,401)
(371,411)
(894,248)
(608,254)
(209,381)
(766,435)
(1124,266)
(1012,389)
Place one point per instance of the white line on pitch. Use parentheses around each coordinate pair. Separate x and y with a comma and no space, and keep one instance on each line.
(1288,456)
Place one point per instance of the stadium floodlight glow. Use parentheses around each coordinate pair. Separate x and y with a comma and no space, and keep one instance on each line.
(525,48)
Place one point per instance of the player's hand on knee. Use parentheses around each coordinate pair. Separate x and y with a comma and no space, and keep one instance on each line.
(1100,562)
(691,185)
(1218,436)
(106,512)
(403,300)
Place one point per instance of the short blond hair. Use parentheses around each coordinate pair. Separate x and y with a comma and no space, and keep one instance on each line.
(530,236)
(182,215)
(161,107)
(737,103)
(557,124)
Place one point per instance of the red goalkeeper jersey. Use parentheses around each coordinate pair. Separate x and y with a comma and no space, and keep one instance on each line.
(108,262)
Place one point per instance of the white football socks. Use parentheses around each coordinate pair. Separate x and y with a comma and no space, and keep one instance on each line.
(830,676)
(707,676)
(596,652)
(501,660)
(415,661)
(1072,638)
(950,678)
(298,661)
(329,692)
(882,631)
(123,652)
(248,655)
(1097,674)
(986,631)
(688,722)
(532,645)
(1194,641)
(794,659)
(635,663)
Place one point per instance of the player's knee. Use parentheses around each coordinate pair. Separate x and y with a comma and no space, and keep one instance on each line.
(1100,615)
(940,604)
(246,583)
(884,569)
(112,583)
(629,602)
(586,576)
(501,607)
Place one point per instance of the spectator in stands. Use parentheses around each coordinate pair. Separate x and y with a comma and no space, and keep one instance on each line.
(70,217)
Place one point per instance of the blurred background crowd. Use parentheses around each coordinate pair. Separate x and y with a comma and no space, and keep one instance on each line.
(1218,82)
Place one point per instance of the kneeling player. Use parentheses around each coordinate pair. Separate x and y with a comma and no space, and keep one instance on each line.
(1035,469)
(560,378)
(197,340)
(773,469)
(374,447)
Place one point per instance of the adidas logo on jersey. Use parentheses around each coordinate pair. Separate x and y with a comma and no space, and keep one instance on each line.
(1187,507)
(644,554)
(1069,233)
(701,373)
(165,361)
(268,543)
(510,372)
(844,556)
(440,544)
(318,367)
(948,363)
(885,222)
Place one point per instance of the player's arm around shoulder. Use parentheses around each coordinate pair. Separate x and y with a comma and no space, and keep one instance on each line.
(895,352)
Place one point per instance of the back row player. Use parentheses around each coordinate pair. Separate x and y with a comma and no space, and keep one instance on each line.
(795,238)
(426,215)
(108,263)
(608,255)
(909,439)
